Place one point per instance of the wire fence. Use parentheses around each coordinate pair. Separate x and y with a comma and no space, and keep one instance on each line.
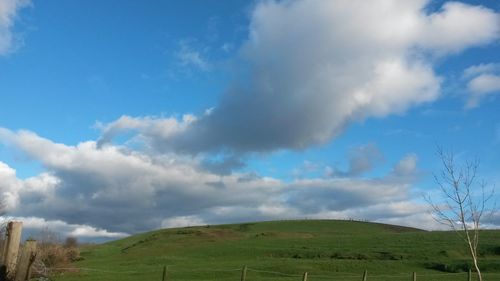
(165,273)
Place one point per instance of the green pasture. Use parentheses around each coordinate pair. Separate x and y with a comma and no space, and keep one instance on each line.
(284,250)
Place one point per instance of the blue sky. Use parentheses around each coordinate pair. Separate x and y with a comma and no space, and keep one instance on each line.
(201,112)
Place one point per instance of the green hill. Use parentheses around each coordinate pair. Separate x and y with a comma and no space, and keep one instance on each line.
(283,250)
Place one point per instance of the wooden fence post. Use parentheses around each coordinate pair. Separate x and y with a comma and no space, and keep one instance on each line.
(244,273)
(164,275)
(304,278)
(414,276)
(28,256)
(469,275)
(11,248)
(365,275)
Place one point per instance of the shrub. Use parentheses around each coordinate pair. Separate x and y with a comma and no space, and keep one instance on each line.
(55,254)
(71,242)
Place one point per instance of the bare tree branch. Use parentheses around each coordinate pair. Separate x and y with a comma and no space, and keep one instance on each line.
(462,208)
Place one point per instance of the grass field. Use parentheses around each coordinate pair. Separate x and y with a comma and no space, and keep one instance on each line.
(326,249)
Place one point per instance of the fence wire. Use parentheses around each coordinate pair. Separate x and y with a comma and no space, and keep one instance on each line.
(334,276)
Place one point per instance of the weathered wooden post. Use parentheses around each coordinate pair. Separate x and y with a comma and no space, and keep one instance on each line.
(28,256)
(365,275)
(11,249)
(304,278)
(164,276)
(414,276)
(244,273)
(469,275)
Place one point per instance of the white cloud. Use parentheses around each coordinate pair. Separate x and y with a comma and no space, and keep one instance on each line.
(112,191)
(148,129)
(310,68)
(114,187)
(182,221)
(458,26)
(482,81)
(12,189)
(120,190)
(485,83)
(89,231)
(8,186)
(421,220)
(406,166)
(479,69)
(8,13)
(35,225)
(482,86)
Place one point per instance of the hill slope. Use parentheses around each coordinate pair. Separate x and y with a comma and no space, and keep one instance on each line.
(335,250)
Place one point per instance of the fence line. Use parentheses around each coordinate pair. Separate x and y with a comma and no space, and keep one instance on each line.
(96,270)
(130,272)
(163,271)
(274,272)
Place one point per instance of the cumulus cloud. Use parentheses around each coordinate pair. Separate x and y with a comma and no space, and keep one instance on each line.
(8,13)
(458,26)
(113,190)
(483,81)
(485,84)
(309,68)
(476,70)
(8,186)
(34,225)
(124,190)
(17,193)
(319,195)
(150,130)
(406,166)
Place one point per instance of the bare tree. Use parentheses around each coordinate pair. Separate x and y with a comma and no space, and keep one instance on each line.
(465,200)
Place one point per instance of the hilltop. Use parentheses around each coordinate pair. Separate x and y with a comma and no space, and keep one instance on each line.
(324,248)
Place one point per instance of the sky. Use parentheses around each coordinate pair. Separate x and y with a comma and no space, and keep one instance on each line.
(118,117)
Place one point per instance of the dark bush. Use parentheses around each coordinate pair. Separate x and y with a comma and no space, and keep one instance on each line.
(71,242)
(449,267)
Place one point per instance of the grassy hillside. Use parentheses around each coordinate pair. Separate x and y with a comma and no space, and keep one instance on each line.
(328,250)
